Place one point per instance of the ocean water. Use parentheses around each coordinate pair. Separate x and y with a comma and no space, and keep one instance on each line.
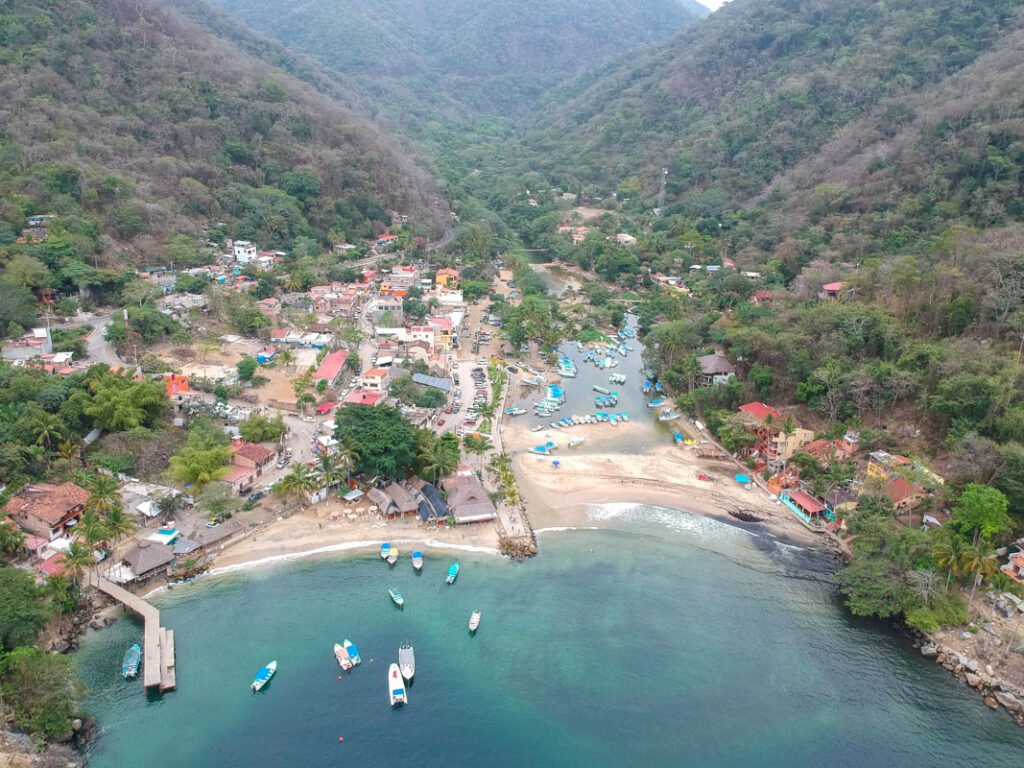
(647,638)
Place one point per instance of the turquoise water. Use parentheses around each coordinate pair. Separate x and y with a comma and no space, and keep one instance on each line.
(658,639)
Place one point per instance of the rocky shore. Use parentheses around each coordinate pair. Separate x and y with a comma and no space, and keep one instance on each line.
(996,691)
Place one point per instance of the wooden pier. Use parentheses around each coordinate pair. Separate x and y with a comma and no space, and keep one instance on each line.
(158,642)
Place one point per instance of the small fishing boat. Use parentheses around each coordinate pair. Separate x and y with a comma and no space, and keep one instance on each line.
(540,450)
(342,655)
(655,403)
(396,597)
(264,675)
(602,390)
(393,556)
(417,560)
(647,387)
(625,417)
(385,550)
(474,621)
(353,652)
(537,428)
(130,665)
(407,661)
(678,437)
(396,687)
(575,441)
(453,574)
(555,425)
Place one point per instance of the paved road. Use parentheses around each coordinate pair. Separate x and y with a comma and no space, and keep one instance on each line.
(101,350)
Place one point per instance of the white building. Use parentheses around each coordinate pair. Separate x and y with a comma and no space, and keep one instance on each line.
(244,250)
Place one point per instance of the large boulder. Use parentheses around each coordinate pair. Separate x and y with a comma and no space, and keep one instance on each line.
(929,650)
(972,679)
(1008,700)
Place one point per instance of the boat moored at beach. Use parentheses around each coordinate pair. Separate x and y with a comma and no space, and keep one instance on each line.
(678,437)
(396,597)
(342,655)
(575,441)
(407,661)
(393,556)
(474,621)
(385,550)
(130,665)
(264,675)
(417,560)
(602,390)
(353,652)
(453,574)
(396,687)
(537,428)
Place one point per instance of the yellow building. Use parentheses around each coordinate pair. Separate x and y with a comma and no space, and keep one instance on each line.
(447,278)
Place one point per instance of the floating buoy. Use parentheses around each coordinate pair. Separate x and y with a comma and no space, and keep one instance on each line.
(341,739)
(339,677)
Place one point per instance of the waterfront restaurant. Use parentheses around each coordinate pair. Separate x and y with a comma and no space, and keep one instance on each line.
(805,506)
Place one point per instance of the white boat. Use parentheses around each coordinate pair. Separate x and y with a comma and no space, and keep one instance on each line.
(575,441)
(537,428)
(474,621)
(396,687)
(417,560)
(264,675)
(407,661)
(385,550)
(396,597)
(393,556)
(341,654)
(353,652)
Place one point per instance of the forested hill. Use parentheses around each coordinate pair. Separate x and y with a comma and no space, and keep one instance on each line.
(760,85)
(134,125)
(490,56)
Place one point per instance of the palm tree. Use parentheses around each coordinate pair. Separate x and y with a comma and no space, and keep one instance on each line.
(438,460)
(478,445)
(69,450)
(500,463)
(63,590)
(12,540)
(328,471)
(46,427)
(980,561)
(300,482)
(286,358)
(119,524)
(949,554)
(348,455)
(103,494)
(78,559)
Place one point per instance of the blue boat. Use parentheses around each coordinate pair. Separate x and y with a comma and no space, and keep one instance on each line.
(655,403)
(678,438)
(385,550)
(353,652)
(657,386)
(130,665)
(453,574)
(625,417)
(263,676)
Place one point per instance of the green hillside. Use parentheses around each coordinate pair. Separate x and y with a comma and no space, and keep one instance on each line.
(135,127)
(489,56)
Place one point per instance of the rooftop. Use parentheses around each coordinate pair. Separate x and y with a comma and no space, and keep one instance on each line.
(255,452)
(47,502)
(332,365)
(760,411)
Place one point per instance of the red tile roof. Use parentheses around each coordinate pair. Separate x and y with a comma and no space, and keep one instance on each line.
(52,565)
(49,503)
(760,410)
(832,287)
(362,397)
(806,502)
(377,372)
(255,452)
(900,489)
(331,365)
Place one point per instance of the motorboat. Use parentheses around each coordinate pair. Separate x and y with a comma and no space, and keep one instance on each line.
(453,574)
(263,676)
(130,665)
(575,441)
(342,655)
(407,661)
(396,597)
(393,556)
(474,621)
(417,560)
(385,550)
(396,687)
(353,652)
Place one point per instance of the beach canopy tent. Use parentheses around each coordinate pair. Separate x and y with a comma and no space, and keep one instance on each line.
(324,407)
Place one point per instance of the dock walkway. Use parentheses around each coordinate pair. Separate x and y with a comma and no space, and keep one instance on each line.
(158,642)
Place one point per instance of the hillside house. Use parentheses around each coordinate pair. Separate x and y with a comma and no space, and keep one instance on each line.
(35,343)
(447,278)
(363,397)
(805,506)
(443,330)
(831,292)
(46,510)
(715,369)
(626,239)
(386,241)
(243,251)
(885,465)
(772,445)
(904,494)
(269,307)
(247,464)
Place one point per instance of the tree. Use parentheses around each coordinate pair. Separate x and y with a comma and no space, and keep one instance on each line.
(119,405)
(949,553)
(734,434)
(24,270)
(22,616)
(980,561)
(246,368)
(64,592)
(300,482)
(478,444)
(980,512)
(382,438)
(200,461)
(120,524)
(47,428)
(17,305)
(328,471)
(436,459)
(79,558)
(104,494)
(259,429)
(43,691)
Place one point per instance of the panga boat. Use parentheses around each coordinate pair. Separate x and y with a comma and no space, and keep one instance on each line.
(474,621)
(396,687)
(264,675)
(417,560)
(385,550)
(130,665)
(537,428)
(575,441)
(407,661)
(342,655)
(396,597)
(453,574)
(353,652)
(393,556)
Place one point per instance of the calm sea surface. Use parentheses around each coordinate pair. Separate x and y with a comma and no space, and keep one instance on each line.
(657,639)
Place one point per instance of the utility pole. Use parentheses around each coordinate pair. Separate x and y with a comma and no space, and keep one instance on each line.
(661,193)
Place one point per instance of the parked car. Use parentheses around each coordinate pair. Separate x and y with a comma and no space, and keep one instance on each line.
(282,463)
(257,496)
(440,422)
(245,491)
(212,523)
(448,409)
(513,369)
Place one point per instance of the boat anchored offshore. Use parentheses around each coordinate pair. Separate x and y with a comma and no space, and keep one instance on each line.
(130,665)
(396,597)
(264,675)
(396,687)
(385,550)
(417,560)
(453,574)
(474,621)
(353,652)
(342,655)
(407,661)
